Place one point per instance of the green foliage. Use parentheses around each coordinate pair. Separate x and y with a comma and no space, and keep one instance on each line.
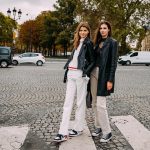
(49,31)
(126,16)
(65,11)
(51,28)
(7,25)
(26,33)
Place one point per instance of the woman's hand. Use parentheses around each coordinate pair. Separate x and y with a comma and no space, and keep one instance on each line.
(109,85)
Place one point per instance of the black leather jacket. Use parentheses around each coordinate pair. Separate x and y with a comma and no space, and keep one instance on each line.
(107,66)
(85,58)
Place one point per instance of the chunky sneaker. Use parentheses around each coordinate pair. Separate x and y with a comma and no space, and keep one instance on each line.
(60,138)
(73,133)
(106,138)
(97,132)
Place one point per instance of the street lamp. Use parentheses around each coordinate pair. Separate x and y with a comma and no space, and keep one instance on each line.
(14,13)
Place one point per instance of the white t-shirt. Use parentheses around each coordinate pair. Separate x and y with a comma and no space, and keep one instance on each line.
(74,62)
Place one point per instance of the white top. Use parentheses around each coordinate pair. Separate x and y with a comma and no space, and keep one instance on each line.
(74,62)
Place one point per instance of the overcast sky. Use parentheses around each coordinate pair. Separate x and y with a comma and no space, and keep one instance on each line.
(31,7)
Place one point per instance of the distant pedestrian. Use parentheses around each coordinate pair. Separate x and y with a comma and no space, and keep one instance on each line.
(102,78)
(79,67)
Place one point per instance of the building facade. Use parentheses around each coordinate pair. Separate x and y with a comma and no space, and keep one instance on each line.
(146,43)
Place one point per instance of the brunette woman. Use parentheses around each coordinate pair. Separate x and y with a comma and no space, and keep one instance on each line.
(102,78)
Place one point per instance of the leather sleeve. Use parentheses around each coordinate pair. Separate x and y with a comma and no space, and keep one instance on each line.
(113,62)
(91,60)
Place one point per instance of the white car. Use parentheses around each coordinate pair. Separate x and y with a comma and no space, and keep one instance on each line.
(29,57)
(135,57)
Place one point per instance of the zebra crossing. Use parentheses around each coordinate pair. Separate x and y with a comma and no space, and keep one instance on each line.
(13,137)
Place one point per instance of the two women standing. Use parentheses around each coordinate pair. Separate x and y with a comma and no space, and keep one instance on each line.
(99,64)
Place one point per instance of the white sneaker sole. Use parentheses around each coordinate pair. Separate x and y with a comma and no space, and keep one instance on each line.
(60,140)
(95,135)
(71,135)
(105,141)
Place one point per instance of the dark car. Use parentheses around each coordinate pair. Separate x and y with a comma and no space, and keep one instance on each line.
(5,56)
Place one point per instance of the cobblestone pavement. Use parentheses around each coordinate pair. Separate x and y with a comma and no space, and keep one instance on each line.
(35,95)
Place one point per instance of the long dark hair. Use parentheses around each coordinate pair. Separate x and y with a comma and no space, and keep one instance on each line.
(98,36)
(76,35)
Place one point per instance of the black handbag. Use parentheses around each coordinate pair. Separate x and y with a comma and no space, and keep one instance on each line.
(89,96)
(89,100)
(65,76)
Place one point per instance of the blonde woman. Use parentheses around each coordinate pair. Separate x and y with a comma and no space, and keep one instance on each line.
(79,66)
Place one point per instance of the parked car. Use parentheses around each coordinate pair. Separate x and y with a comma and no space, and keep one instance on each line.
(29,57)
(5,56)
(135,57)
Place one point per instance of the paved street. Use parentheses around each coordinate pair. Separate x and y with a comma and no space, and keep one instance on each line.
(34,96)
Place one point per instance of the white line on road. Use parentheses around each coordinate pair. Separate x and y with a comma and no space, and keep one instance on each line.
(135,133)
(12,137)
(55,62)
(137,69)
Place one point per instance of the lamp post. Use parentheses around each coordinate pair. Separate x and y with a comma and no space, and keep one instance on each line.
(14,13)
(15,18)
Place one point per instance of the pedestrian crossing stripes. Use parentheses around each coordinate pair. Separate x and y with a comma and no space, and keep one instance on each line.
(12,137)
(134,132)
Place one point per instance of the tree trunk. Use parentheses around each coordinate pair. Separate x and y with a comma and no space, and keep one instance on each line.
(123,47)
(65,50)
(39,49)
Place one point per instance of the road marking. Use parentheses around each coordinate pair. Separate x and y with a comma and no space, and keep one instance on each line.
(131,69)
(134,132)
(55,62)
(84,141)
(12,137)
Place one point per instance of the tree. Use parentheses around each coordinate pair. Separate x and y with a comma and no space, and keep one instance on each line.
(86,10)
(49,31)
(126,17)
(65,12)
(40,33)
(7,25)
(26,34)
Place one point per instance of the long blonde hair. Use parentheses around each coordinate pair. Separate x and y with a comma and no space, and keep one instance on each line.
(76,35)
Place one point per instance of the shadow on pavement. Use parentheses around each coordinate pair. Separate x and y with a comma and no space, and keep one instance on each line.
(33,142)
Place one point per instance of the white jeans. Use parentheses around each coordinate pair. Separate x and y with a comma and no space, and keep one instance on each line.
(76,85)
(99,105)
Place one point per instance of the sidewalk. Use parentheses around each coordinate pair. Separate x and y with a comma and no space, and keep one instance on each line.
(56,59)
